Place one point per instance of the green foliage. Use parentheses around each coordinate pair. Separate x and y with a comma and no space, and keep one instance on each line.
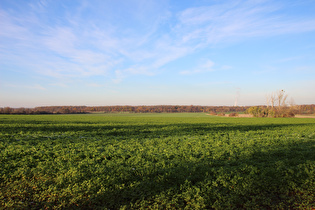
(156,161)
(257,111)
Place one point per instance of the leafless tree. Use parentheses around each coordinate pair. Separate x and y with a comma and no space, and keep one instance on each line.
(281,98)
(292,102)
(271,99)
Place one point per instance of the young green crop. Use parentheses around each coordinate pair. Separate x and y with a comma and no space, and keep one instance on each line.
(156,161)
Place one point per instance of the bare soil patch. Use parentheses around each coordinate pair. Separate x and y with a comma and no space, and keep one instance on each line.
(304,116)
(249,115)
(245,115)
(239,115)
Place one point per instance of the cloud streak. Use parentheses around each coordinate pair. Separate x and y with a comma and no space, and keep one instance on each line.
(207,66)
(35,86)
(77,46)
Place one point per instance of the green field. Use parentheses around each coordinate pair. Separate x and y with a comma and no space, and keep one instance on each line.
(157,161)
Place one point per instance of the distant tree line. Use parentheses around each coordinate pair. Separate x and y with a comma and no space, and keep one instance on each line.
(256,110)
(113,109)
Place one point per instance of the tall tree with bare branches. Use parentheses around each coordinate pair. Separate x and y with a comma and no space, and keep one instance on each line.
(281,98)
(271,99)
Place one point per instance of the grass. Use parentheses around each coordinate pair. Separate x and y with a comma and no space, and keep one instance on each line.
(156,161)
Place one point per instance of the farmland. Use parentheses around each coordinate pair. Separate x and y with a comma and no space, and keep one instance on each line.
(157,161)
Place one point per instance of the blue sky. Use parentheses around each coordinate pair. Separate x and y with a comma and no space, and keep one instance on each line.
(155,52)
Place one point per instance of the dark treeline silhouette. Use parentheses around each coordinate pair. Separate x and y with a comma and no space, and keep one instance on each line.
(113,109)
(299,109)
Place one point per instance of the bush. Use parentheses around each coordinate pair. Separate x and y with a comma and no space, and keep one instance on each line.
(213,113)
(270,112)
(233,114)
(291,114)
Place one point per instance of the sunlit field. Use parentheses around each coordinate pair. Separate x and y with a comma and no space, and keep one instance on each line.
(156,161)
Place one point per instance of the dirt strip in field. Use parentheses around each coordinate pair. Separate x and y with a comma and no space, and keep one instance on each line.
(304,116)
(296,116)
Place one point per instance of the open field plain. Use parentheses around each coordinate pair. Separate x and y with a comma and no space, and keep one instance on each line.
(156,161)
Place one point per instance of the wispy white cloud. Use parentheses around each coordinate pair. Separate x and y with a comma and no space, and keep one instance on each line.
(63,85)
(220,83)
(8,28)
(226,67)
(80,45)
(35,86)
(284,60)
(266,70)
(237,20)
(207,66)
(95,85)
(119,76)
(305,69)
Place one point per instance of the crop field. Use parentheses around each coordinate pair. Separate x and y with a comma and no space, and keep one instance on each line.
(156,161)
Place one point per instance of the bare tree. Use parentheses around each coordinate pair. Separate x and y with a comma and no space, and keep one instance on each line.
(267,100)
(292,102)
(271,99)
(281,98)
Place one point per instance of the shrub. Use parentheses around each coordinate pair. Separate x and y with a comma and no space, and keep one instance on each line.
(270,112)
(233,114)
(213,113)
(291,114)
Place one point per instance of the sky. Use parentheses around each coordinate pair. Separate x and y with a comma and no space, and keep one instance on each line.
(155,52)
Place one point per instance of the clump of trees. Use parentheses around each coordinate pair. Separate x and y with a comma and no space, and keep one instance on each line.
(277,106)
